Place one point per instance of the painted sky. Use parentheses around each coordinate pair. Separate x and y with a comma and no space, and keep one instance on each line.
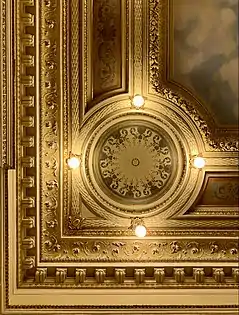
(205,53)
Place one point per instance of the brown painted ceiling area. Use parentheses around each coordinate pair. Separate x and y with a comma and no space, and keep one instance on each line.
(143,97)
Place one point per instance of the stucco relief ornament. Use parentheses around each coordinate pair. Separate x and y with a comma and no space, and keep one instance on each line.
(135,162)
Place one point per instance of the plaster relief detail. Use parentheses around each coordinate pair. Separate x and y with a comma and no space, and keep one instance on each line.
(120,275)
(28,242)
(235,274)
(179,275)
(229,191)
(106,46)
(159,275)
(40,275)
(199,274)
(139,250)
(219,275)
(100,275)
(80,275)
(139,163)
(28,262)
(139,275)
(28,222)
(61,274)
(136,162)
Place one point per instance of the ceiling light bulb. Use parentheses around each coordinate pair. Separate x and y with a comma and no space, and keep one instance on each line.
(140,231)
(73,162)
(138,101)
(199,162)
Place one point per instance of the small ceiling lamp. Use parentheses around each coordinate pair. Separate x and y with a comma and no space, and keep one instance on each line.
(199,162)
(140,231)
(73,161)
(138,101)
(138,226)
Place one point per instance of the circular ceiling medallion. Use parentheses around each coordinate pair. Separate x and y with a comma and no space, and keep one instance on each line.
(134,161)
(133,164)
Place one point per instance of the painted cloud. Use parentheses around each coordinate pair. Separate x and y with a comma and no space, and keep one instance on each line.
(205,53)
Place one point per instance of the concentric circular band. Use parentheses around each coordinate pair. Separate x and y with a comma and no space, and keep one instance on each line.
(133,164)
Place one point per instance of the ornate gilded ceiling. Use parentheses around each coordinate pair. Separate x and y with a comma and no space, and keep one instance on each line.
(69,72)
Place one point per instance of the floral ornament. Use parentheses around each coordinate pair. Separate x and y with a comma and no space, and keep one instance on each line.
(52,144)
(118,246)
(51,101)
(52,184)
(51,204)
(51,65)
(56,247)
(155,248)
(52,223)
(115,251)
(233,251)
(194,246)
(45,232)
(52,165)
(48,124)
(214,248)
(96,248)
(52,243)
(47,163)
(48,244)
(194,250)
(75,223)
(175,248)
(155,251)
(51,23)
(76,250)
(135,248)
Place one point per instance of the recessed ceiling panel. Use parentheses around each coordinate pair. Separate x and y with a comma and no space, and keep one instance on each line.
(204,53)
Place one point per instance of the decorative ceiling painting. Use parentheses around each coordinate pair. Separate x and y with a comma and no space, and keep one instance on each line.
(204,54)
(119,178)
